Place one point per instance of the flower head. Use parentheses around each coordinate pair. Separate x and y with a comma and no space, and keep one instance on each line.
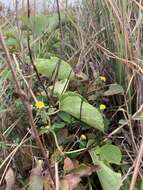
(103,78)
(102,107)
(39,104)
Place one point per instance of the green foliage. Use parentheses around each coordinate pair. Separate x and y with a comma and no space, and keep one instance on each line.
(37,24)
(11,42)
(109,179)
(48,68)
(60,87)
(58,125)
(97,40)
(75,105)
(5,74)
(67,118)
(140,185)
(111,154)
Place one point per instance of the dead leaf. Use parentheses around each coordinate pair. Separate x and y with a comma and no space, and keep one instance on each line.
(10,179)
(36,181)
(68,164)
(84,170)
(70,182)
(64,184)
(48,183)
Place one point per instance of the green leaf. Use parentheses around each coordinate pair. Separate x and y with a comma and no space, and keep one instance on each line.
(43,130)
(2,145)
(60,87)
(37,24)
(109,179)
(58,125)
(74,104)
(110,153)
(141,186)
(54,22)
(114,89)
(11,42)
(48,68)
(65,117)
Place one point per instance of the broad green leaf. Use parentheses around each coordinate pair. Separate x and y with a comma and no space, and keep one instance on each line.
(54,21)
(48,68)
(74,104)
(93,154)
(110,153)
(12,42)
(11,37)
(59,125)
(39,23)
(114,89)
(60,87)
(109,179)
(65,117)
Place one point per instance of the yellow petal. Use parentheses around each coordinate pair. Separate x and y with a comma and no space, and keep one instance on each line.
(103,78)
(102,107)
(39,104)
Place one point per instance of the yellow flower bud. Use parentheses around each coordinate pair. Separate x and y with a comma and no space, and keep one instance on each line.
(82,137)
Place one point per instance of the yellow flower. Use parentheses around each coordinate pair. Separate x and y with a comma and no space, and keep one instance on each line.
(102,107)
(141,115)
(103,78)
(39,104)
(82,137)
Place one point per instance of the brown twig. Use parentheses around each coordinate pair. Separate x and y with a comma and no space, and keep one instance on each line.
(61,47)
(60,26)
(136,168)
(31,57)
